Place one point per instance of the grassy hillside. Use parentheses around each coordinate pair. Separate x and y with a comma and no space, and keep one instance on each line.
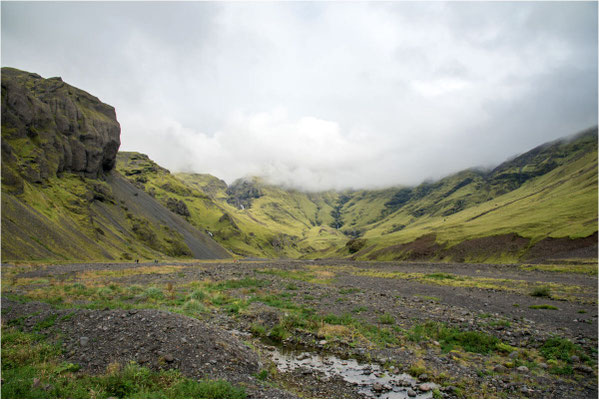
(504,214)
(61,198)
(550,191)
(75,218)
(250,218)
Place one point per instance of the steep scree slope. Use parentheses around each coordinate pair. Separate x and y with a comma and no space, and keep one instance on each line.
(61,198)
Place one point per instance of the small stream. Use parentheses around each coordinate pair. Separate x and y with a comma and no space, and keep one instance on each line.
(371,379)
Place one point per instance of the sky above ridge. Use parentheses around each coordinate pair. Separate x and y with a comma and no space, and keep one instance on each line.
(323,95)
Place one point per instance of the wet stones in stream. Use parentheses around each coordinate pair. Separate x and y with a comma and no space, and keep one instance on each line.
(367,380)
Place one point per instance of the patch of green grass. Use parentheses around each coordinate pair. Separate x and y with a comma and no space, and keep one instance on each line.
(258,330)
(262,375)
(194,306)
(543,307)
(359,309)
(586,269)
(561,370)
(449,338)
(197,295)
(500,322)
(27,356)
(377,335)
(344,319)
(417,369)
(105,292)
(154,293)
(232,308)
(278,333)
(313,276)
(387,319)
(221,300)
(67,317)
(557,348)
(582,312)
(46,323)
(441,275)
(505,348)
(275,301)
(541,291)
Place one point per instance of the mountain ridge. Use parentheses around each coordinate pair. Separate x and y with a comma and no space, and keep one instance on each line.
(62,198)
(346,221)
(104,204)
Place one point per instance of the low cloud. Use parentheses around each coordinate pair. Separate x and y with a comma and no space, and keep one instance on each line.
(309,153)
(322,95)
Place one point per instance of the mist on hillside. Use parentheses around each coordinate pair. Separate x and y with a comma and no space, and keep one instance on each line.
(322,95)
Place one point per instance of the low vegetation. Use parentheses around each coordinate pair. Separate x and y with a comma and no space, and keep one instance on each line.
(299,294)
(31,368)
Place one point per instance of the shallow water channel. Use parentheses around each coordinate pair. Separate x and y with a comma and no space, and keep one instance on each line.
(371,380)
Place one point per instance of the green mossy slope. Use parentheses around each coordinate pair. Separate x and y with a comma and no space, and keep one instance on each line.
(61,198)
(496,215)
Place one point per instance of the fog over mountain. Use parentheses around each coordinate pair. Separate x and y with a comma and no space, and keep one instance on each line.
(322,95)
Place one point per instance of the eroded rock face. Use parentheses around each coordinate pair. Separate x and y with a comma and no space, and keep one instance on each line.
(49,127)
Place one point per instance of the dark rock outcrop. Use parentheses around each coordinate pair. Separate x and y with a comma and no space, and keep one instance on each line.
(242,192)
(50,127)
(177,206)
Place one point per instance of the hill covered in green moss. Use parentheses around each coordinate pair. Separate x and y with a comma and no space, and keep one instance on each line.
(541,204)
(68,195)
(62,198)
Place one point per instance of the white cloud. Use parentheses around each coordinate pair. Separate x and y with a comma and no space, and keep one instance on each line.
(322,95)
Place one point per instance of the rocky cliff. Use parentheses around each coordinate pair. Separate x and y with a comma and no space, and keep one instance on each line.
(62,198)
(50,127)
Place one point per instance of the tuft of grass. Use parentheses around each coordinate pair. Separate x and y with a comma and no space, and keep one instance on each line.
(543,307)
(154,293)
(345,319)
(441,275)
(562,370)
(449,338)
(557,348)
(387,319)
(262,375)
(46,323)
(258,330)
(194,306)
(278,333)
(541,291)
(197,295)
(418,368)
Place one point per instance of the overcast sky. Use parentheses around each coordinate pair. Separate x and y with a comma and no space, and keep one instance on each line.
(321,95)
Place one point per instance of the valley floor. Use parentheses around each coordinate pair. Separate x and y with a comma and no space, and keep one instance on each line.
(318,329)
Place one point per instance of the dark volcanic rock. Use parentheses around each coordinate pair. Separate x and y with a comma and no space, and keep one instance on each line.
(177,206)
(52,127)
